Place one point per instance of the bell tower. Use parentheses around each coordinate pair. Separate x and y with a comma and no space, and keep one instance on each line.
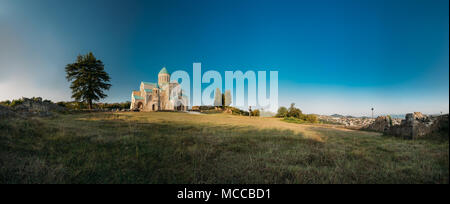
(163,77)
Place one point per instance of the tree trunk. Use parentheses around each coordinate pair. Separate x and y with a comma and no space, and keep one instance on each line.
(90,104)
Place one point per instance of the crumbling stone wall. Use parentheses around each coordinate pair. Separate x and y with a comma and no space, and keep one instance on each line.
(415,125)
(441,126)
(381,124)
(6,112)
(31,107)
(37,105)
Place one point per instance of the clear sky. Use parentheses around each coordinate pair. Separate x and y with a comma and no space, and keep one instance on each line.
(333,56)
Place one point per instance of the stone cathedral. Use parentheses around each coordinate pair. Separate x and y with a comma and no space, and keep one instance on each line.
(164,95)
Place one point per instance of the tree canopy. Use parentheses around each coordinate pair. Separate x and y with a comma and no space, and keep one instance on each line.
(282,112)
(294,112)
(88,79)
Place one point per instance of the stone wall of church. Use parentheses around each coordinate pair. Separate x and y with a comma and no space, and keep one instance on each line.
(159,97)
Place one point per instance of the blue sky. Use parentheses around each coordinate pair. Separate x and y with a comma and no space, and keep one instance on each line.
(333,56)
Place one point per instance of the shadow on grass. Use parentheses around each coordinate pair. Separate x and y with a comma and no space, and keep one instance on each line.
(115,149)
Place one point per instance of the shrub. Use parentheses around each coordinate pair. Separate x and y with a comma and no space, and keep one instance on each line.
(390,120)
(294,112)
(16,102)
(282,112)
(36,99)
(236,111)
(311,118)
(5,103)
(256,113)
(74,105)
(124,105)
(62,104)
(295,115)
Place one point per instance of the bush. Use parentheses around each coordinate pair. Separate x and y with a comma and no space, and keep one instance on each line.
(390,120)
(16,102)
(294,112)
(62,104)
(295,115)
(74,105)
(312,118)
(124,105)
(36,99)
(256,113)
(5,103)
(236,111)
(282,112)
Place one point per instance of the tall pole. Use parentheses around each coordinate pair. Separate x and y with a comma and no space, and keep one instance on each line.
(372,113)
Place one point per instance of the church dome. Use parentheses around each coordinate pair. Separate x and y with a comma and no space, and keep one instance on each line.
(163,71)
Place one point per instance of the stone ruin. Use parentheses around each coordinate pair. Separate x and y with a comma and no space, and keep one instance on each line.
(6,112)
(415,125)
(381,124)
(37,105)
(31,107)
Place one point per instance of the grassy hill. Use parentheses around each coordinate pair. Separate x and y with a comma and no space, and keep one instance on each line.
(165,147)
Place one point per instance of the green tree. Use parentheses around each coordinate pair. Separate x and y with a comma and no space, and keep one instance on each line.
(294,112)
(282,112)
(88,79)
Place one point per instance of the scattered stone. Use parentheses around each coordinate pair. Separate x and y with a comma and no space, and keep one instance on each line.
(6,112)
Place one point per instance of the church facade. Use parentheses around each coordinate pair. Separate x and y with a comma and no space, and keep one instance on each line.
(163,95)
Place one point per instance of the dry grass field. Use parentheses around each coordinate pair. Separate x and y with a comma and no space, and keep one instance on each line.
(167,147)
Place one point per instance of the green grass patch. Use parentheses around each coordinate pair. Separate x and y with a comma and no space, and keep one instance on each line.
(295,120)
(152,148)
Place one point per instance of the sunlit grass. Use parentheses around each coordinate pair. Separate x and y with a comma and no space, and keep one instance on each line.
(167,147)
